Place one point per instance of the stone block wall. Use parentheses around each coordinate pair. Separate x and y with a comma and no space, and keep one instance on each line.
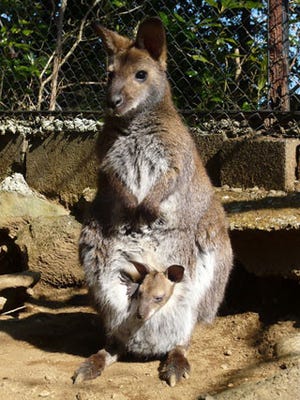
(57,157)
(263,162)
(62,164)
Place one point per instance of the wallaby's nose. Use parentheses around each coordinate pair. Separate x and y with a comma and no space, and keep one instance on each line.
(140,316)
(115,101)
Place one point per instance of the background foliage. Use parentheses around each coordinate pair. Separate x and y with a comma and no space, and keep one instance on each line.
(50,58)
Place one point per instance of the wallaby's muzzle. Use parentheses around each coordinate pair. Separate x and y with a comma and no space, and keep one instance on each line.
(115,101)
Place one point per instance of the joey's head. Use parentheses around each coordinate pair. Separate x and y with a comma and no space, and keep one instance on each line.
(136,68)
(152,289)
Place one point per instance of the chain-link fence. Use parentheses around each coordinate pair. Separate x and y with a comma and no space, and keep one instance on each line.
(224,55)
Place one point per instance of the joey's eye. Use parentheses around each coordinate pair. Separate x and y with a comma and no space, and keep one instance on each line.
(110,75)
(158,299)
(141,76)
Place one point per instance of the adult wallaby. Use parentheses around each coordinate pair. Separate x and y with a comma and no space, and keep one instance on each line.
(155,205)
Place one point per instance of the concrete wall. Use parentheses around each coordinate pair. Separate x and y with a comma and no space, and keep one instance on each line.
(59,161)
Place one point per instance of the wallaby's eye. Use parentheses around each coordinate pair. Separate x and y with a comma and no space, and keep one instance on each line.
(141,76)
(158,299)
(110,75)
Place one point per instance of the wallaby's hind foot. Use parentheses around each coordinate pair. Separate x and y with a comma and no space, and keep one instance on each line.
(93,366)
(175,367)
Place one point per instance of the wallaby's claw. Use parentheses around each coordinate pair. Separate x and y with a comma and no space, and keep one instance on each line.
(174,368)
(91,368)
(77,377)
(186,375)
(84,373)
(172,380)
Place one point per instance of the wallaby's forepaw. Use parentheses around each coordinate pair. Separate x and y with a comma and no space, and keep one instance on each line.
(174,368)
(90,368)
(147,212)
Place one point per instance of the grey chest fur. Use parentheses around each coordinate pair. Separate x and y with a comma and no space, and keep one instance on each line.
(138,159)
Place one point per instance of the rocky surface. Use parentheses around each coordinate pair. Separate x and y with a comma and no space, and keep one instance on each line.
(282,386)
(37,234)
(41,126)
(233,128)
(229,127)
(259,209)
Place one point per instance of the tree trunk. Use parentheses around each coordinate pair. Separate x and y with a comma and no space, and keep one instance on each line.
(58,55)
(278,55)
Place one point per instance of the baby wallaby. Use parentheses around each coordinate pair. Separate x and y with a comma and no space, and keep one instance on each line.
(153,288)
(148,291)
(154,197)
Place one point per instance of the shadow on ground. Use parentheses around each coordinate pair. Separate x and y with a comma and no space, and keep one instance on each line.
(75,332)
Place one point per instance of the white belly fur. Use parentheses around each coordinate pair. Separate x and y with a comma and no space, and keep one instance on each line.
(172,325)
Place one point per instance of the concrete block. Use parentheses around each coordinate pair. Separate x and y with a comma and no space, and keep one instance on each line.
(62,164)
(11,146)
(209,147)
(265,162)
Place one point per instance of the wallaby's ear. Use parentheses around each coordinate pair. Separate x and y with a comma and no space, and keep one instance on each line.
(151,36)
(131,285)
(175,273)
(143,269)
(112,41)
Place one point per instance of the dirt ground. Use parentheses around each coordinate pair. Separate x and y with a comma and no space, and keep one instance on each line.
(42,346)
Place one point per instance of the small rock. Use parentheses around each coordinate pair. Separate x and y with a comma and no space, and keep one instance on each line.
(283,366)
(227,352)
(288,346)
(224,367)
(2,303)
(254,189)
(237,190)
(118,396)
(16,183)
(44,393)
(243,124)
(226,187)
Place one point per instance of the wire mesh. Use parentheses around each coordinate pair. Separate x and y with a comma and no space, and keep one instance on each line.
(51,59)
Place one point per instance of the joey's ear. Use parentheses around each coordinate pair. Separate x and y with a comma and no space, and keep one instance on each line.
(112,41)
(143,269)
(151,36)
(131,285)
(175,273)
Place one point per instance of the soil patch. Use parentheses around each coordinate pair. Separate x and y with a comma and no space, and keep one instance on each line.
(41,348)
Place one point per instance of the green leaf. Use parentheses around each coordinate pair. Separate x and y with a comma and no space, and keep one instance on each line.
(118,3)
(27,32)
(216,99)
(246,106)
(191,73)
(179,17)
(15,29)
(198,57)
(163,16)
(213,3)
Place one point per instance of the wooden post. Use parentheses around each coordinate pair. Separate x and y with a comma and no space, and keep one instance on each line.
(278,46)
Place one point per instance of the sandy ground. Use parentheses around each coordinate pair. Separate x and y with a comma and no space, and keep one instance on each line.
(42,346)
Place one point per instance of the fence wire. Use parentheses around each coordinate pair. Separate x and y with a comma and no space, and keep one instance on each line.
(218,53)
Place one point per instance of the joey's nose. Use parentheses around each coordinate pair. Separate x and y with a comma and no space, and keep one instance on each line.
(140,316)
(115,101)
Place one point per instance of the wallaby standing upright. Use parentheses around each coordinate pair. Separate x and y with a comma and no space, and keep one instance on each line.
(154,200)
